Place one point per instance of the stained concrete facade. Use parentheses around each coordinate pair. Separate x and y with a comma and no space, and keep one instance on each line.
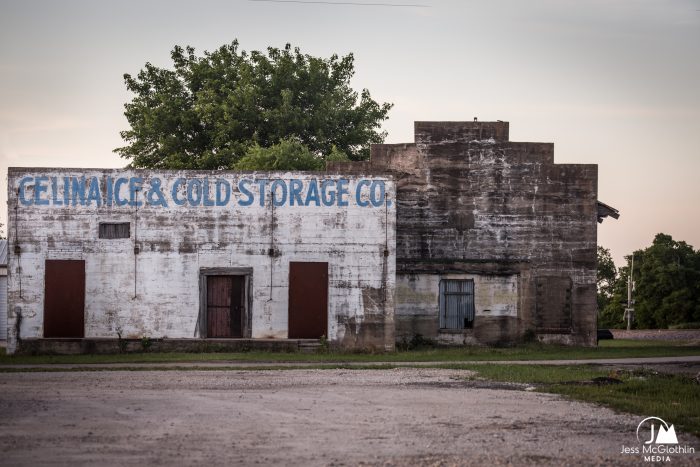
(501,216)
(185,226)
(463,237)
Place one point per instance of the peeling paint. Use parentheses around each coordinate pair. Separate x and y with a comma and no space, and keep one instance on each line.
(155,292)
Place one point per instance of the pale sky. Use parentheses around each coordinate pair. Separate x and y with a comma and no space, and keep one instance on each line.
(613,83)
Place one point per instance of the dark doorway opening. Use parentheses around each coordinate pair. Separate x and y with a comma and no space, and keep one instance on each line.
(225,306)
(308,300)
(64,298)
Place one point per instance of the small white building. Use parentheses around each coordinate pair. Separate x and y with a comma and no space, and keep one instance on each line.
(99,254)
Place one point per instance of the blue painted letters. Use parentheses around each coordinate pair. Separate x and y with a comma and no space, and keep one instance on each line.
(243,188)
(109,190)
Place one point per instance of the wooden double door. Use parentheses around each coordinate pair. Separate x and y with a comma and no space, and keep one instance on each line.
(225,306)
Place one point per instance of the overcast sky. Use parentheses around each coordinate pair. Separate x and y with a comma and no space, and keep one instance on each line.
(613,83)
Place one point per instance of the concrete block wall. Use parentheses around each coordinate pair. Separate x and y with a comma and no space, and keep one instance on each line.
(470,201)
(185,224)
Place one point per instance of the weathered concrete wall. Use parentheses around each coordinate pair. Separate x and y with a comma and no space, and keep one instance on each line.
(470,201)
(190,220)
(3,304)
(417,307)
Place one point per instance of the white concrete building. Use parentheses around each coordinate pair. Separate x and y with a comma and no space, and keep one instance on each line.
(201,255)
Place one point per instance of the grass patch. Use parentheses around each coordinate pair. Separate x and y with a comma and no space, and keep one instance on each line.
(606,349)
(639,343)
(80,369)
(645,393)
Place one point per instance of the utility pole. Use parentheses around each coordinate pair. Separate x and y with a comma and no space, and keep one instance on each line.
(629,310)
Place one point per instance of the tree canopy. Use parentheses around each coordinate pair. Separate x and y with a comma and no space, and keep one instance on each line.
(606,277)
(210,111)
(287,155)
(667,286)
(667,289)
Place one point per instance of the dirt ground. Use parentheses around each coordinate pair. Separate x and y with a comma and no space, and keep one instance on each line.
(392,417)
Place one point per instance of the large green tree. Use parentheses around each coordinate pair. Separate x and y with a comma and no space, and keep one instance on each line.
(667,286)
(209,111)
(667,283)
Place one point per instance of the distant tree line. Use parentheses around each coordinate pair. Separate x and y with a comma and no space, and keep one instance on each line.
(666,292)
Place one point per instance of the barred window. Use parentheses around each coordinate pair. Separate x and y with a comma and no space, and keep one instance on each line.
(111,230)
(456,304)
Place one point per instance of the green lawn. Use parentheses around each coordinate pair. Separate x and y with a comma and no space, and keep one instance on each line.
(671,397)
(606,349)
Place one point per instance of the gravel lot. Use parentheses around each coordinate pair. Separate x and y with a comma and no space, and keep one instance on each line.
(300,417)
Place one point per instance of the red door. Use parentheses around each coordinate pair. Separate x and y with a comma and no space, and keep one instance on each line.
(308,300)
(64,298)
(225,305)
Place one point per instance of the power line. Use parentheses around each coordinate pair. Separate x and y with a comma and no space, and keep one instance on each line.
(404,5)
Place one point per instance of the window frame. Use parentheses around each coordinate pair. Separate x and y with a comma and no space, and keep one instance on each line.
(456,320)
(114,230)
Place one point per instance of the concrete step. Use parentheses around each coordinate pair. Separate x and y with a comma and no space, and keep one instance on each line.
(309,346)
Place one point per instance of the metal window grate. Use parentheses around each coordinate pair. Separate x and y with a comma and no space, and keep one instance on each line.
(456,304)
(111,230)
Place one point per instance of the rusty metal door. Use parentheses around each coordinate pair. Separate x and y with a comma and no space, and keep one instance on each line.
(64,298)
(225,305)
(308,300)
